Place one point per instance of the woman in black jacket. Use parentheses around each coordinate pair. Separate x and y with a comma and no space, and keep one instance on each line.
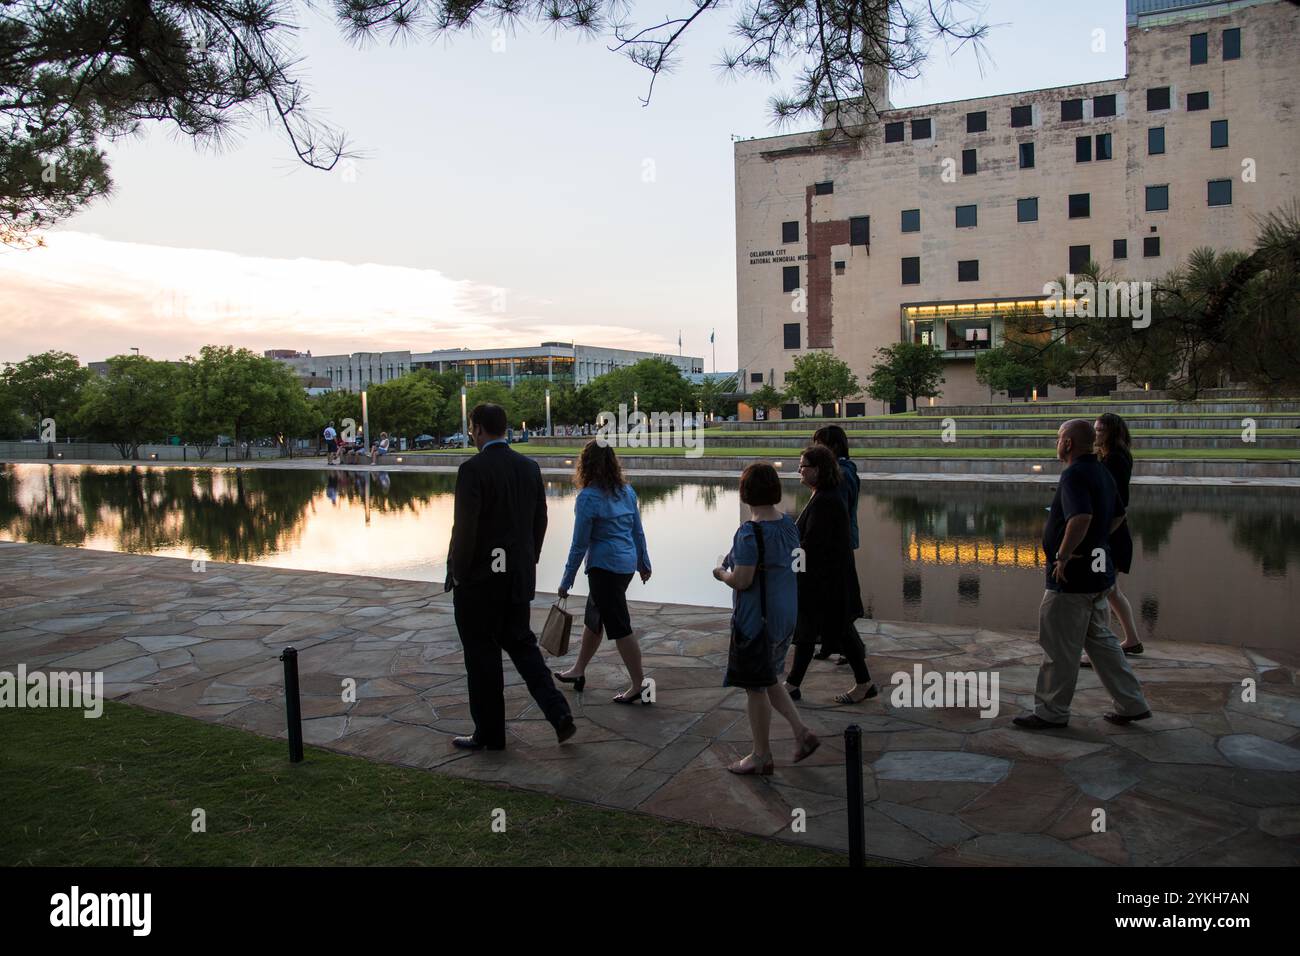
(1113,440)
(828,601)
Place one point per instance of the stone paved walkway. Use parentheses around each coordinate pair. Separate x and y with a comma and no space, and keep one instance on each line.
(1209,780)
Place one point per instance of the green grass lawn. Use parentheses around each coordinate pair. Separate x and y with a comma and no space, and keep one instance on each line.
(1047,451)
(120,790)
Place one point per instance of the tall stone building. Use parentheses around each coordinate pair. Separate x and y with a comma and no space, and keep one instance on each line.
(942,220)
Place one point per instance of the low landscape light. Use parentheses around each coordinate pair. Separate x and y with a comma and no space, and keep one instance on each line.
(1038,467)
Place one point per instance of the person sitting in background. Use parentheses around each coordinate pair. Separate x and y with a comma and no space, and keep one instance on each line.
(379,448)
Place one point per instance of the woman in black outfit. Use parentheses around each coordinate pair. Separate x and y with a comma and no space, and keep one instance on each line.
(829,602)
(834,438)
(1113,440)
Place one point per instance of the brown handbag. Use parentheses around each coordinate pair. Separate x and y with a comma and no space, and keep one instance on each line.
(555,633)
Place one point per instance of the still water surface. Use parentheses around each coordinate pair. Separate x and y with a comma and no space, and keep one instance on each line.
(1211,564)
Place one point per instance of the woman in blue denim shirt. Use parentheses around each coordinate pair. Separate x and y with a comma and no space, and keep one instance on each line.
(607,531)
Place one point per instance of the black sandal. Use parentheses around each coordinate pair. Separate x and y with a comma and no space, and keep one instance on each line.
(637,699)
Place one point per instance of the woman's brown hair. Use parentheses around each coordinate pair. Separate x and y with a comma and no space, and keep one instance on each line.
(1117,434)
(760,485)
(598,467)
(822,459)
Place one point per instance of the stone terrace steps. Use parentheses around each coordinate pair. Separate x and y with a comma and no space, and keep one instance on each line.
(1189,441)
(1046,423)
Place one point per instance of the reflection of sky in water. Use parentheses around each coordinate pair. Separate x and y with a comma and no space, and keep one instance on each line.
(935,552)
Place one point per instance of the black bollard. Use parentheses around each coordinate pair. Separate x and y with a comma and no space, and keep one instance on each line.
(857,810)
(292,709)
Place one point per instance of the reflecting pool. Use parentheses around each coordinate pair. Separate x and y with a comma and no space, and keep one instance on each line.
(1211,564)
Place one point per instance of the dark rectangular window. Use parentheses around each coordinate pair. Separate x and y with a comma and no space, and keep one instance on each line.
(859,230)
(1103,105)
(790,231)
(1119,249)
(1022,116)
(1232,44)
(1026,155)
(967,216)
(1155,140)
(1083,149)
(968,270)
(1157,198)
(1104,150)
(1157,99)
(911,220)
(1200,48)
(1219,192)
(893,132)
(1080,205)
(968,162)
(823,189)
(1027,209)
(912,270)
(1198,101)
(921,129)
(839,267)
(1071,110)
(1151,247)
(755,378)
(977,122)
(789,278)
(1080,256)
(1218,134)
(792,335)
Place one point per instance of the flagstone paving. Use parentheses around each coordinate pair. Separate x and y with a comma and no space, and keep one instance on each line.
(1212,779)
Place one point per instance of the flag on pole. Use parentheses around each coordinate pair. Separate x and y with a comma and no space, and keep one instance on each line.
(711,336)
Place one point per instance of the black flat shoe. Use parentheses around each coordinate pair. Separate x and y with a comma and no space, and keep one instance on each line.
(1123,720)
(566,730)
(1132,651)
(635,699)
(578,682)
(1034,722)
(472,743)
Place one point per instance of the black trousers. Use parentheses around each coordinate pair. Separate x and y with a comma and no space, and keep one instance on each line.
(488,625)
(850,645)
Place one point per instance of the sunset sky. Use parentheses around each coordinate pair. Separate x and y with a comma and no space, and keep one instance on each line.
(502,198)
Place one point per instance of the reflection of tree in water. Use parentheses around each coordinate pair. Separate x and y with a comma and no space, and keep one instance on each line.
(402,491)
(248,513)
(1151,527)
(54,518)
(1272,539)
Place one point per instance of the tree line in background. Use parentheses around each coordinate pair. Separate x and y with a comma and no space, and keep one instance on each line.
(235,394)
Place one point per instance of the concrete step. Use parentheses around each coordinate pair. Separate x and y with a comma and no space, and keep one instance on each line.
(1011,443)
(1046,423)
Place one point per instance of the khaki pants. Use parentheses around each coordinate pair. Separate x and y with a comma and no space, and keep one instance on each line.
(1069,624)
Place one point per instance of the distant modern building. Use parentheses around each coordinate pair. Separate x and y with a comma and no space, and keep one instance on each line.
(944,220)
(563,363)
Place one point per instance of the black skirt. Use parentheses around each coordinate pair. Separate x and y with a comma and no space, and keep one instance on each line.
(1121,549)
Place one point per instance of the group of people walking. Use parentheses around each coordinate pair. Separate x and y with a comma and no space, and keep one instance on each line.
(794,581)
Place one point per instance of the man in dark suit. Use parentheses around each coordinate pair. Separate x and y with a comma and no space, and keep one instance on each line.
(496,541)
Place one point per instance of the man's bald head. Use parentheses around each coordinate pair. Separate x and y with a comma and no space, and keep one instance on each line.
(1074,438)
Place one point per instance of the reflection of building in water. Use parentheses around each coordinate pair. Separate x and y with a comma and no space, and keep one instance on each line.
(1016,553)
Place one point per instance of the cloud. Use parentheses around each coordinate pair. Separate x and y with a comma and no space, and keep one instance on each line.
(98,297)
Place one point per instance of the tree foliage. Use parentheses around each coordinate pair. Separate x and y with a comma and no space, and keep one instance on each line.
(47,385)
(77,73)
(914,370)
(133,404)
(819,377)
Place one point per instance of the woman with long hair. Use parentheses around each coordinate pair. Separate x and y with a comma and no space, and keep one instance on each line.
(760,570)
(829,602)
(834,438)
(607,532)
(1113,443)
